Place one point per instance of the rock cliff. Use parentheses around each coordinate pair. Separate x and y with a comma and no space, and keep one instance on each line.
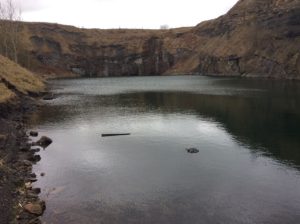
(255,38)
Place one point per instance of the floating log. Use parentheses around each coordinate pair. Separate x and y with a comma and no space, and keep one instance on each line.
(112,135)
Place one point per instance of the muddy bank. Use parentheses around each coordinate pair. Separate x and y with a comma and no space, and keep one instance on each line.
(19,201)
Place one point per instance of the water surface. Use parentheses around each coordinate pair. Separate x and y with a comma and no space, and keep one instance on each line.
(247,170)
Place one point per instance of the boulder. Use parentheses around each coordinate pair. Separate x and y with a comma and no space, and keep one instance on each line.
(36,208)
(44,141)
(35,158)
(35,150)
(36,190)
(33,133)
(25,148)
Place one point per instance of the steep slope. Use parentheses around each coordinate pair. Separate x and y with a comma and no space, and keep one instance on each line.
(255,38)
(17,81)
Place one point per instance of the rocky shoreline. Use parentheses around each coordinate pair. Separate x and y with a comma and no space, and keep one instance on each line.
(19,201)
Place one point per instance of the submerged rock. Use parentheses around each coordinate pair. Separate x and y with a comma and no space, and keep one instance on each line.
(192,150)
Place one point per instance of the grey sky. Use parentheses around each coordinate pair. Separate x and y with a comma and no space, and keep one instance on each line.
(123,13)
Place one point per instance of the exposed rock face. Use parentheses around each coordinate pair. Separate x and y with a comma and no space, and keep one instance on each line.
(255,38)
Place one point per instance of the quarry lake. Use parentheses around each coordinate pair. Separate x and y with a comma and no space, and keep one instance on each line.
(247,133)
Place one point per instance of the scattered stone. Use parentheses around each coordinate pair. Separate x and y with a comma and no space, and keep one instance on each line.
(28,185)
(33,133)
(49,96)
(33,175)
(35,150)
(19,126)
(35,221)
(20,192)
(3,137)
(44,141)
(31,179)
(36,190)
(1,162)
(27,163)
(192,150)
(31,195)
(35,158)
(36,208)
(25,148)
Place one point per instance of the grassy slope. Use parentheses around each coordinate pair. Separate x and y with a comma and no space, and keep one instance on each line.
(19,79)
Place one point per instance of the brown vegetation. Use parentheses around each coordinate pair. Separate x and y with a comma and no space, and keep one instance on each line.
(17,80)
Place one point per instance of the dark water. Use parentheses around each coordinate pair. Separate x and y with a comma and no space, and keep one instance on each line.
(247,170)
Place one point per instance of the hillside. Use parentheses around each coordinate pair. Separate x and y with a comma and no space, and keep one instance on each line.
(255,38)
(16,81)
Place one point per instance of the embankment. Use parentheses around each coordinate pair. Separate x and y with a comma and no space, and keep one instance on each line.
(18,87)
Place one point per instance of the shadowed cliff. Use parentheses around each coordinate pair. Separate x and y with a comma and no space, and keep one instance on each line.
(255,38)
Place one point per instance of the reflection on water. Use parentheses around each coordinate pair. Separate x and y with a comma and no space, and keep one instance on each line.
(247,170)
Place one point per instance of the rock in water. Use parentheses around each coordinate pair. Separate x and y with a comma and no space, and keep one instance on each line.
(49,96)
(36,208)
(44,141)
(35,158)
(33,133)
(192,150)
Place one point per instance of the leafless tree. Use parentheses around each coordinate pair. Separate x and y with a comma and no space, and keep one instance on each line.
(10,16)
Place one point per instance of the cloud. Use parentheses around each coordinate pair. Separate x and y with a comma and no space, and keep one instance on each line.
(124,13)
(27,5)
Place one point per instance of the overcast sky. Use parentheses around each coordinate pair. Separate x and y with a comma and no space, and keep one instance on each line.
(123,13)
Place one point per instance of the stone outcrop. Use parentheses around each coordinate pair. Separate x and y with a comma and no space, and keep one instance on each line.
(255,38)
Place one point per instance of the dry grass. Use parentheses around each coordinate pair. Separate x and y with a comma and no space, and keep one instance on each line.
(23,80)
(5,94)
